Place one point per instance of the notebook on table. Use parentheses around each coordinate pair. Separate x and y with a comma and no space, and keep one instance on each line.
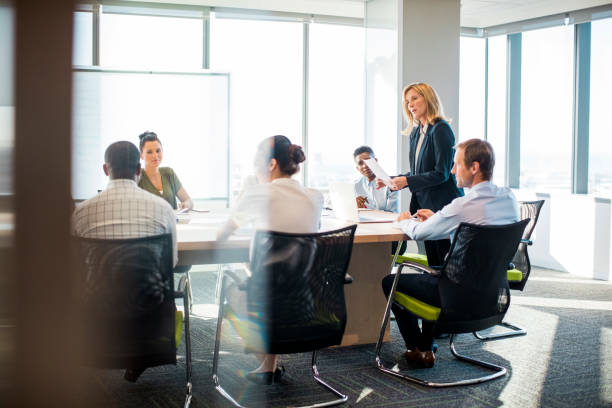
(342,196)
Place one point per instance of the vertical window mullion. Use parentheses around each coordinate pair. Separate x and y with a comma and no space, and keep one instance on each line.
(486,90)
(582,88)
(513,111)
(206,40)
(305,62)
(95,15)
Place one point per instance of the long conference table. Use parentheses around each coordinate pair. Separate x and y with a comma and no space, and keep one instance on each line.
(370,262)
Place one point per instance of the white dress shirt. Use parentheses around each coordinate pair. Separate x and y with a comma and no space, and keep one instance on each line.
(422,132)
(122,211)
(283,205)
(485,204)
(378,199)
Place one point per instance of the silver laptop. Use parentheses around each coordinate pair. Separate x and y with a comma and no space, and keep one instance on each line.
(342,196)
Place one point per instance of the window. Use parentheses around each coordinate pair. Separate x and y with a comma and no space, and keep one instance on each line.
(7,106)
(496,109)
(335,102)
(382,90)
(600,142)
(82,48)
(150,42)
(471,88)
(265,62)
(546,108)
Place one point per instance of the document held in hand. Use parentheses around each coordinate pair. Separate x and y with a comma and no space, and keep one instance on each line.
(378,171)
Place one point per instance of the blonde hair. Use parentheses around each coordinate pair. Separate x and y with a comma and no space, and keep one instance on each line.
(435,111)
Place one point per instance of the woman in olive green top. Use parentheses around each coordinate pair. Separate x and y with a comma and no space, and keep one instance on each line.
(161,181)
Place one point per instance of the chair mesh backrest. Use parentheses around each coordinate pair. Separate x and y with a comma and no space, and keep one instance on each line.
(295,296)
(126,291)
(530,210)
(474,285)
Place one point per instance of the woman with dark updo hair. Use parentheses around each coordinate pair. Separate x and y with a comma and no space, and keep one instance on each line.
(278,203)
(161,181)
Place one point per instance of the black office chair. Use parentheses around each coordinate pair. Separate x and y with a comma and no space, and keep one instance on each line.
(294,297)
(473,288)
(519,271)
(126,290)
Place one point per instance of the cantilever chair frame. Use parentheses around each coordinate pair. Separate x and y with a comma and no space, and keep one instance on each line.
(514,330)
(499,371)
(182,292)
(342,398)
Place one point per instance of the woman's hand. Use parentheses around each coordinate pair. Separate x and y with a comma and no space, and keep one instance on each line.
(185,200)
(361,201)
(186,205)
(397,183)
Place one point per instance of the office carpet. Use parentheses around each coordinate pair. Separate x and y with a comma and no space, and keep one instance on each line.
(565,360)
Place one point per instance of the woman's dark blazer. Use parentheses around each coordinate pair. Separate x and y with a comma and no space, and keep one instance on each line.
(431,183)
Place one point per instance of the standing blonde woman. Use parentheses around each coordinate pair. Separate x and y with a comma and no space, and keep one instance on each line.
(431,159)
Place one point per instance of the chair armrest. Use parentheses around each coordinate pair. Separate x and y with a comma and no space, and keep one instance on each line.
(180,290)
(420,268)
(181,268)
(526,241)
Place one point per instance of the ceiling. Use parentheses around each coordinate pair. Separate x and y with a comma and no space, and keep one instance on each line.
(487,13)
(474,13)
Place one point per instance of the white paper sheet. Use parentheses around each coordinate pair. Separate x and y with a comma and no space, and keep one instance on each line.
(378,171)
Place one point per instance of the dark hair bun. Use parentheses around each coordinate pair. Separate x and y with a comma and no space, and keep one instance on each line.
(296,153)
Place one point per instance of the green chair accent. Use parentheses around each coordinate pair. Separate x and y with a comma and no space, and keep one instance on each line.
(417,307)
(178,326)
(514,275)
(416,258)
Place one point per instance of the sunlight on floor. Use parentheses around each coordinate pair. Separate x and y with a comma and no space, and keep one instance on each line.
(521,373)
(570,279)
(364,393)
(562,303)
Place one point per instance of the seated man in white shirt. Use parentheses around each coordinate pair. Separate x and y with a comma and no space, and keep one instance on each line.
(365,188)
(485,204)
(124,210)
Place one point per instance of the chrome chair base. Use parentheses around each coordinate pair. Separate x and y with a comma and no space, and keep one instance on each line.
(512,332)
(215,377)
(499,371)
(184,292)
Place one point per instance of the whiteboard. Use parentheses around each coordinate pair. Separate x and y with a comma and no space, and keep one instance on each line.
(189,111)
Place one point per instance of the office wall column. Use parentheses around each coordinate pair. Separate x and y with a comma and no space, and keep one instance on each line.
(46,342)
(513,111)
(582,92)
(429,52)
